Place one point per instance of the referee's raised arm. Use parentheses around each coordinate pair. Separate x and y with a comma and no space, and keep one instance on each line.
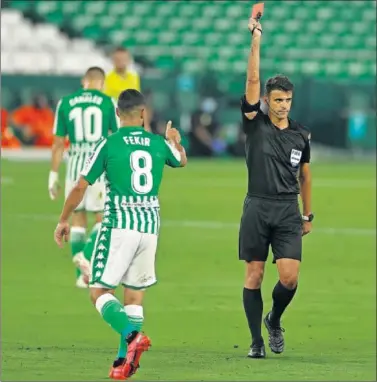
(252,93)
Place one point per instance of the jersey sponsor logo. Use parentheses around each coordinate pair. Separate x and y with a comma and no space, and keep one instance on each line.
(295,157)
(142,204)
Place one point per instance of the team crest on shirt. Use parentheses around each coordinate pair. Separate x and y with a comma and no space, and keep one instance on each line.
(295,157)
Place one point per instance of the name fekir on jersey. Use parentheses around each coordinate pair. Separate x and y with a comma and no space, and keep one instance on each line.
(133,161)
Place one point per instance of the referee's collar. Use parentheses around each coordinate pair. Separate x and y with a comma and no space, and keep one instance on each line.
(292,125)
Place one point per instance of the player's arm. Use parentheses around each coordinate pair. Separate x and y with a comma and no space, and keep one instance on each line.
(74,199)
(94,168)
(176,154)
(251,102)
(60,132)
(305,179)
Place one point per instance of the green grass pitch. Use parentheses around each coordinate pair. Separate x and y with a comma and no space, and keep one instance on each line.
(194,316)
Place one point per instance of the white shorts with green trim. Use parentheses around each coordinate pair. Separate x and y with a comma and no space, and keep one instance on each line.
(94,198)
(124,257)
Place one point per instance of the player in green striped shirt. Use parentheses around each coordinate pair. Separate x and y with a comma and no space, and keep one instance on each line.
(133,161)
(85,117)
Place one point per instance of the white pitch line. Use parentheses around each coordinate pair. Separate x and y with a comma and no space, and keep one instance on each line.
(215,225)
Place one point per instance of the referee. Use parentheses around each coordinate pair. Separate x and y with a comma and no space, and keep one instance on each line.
(277,157)
(121,78)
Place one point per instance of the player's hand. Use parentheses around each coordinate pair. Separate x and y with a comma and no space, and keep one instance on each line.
(255,27)
(53,185)
(61,233)
(306,228)
(172,134)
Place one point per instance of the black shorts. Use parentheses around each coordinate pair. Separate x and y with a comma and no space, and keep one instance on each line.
(268,222)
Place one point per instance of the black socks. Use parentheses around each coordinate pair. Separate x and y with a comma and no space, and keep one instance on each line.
(281,298)
(253,304)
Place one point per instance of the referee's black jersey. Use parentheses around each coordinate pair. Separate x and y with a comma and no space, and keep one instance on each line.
(273,156)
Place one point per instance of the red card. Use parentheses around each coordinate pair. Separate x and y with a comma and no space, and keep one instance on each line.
(257,11)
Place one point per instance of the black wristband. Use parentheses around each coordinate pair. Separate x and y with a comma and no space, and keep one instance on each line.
(260,30)
(247,108)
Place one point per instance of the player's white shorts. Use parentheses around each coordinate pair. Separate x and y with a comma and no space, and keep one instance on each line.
(94,198)
(124,257)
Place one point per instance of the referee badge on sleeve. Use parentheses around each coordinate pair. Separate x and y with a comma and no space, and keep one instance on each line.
(295,157)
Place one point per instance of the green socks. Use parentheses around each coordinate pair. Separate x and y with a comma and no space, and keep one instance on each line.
(89,245)
(135,322)
(113,312)
(123,320)
(77,241)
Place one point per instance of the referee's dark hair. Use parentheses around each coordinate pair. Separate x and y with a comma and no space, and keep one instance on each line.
(278,82)
(130,100)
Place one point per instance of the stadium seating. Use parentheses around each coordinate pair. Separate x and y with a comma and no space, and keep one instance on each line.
(42,48)
(315,38)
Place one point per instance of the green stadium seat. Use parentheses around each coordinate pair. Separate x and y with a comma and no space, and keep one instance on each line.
(188,10)
(223,25)
(141,8)
(166,10)
(83,21)
(338,27)
(317,30)
(193,66)
(328,41)
(350,42)
(118,36)
(165,62)
(370,42)
(234,12)
(283,40)
(191,38)
(213,39)
(179,25)
(166,37)
(56,17)
(92,32)
(211,12)
(71,7)
(45,8)
(118,8)
(22,5)
(288,67)
(95,7)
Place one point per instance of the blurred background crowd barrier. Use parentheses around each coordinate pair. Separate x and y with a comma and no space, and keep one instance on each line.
(191,57)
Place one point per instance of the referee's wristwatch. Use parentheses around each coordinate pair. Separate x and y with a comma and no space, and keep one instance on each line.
(308,218)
